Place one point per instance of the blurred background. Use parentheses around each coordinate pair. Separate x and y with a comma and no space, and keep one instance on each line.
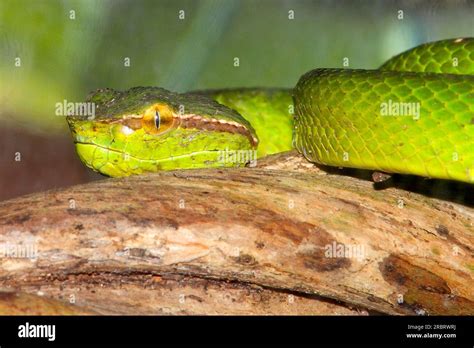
(52,50)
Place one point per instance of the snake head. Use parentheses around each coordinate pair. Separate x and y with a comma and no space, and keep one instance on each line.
(146,129)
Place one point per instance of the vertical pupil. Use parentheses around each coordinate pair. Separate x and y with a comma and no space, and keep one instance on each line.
(157,119)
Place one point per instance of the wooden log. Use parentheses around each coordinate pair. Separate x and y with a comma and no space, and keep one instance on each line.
(282,238)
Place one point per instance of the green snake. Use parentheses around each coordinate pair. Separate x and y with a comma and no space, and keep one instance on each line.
(413,115)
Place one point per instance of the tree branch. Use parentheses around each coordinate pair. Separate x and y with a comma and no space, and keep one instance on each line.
(282,238)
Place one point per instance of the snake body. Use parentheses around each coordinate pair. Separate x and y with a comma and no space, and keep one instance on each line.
(414,115)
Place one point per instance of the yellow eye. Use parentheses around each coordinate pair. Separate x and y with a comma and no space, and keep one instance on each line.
(158,119)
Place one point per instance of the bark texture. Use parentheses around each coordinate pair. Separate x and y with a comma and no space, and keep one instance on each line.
(282,238)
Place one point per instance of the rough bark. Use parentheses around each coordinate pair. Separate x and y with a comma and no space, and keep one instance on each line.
(239,241)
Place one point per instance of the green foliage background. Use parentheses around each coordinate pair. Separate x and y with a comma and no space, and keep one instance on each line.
(64,58)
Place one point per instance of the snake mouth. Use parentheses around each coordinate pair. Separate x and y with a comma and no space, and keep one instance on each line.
(106,149)
(126,155)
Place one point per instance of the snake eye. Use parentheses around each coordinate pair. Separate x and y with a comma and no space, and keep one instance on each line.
(158,119)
